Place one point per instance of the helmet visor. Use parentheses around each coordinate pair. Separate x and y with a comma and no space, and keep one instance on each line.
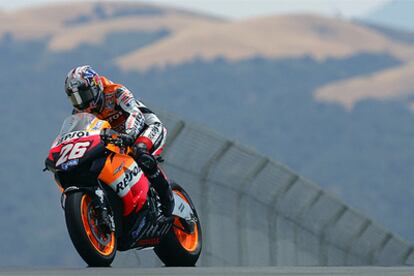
(81,99)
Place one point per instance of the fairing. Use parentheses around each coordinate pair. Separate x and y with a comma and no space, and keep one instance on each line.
(79,157)
(78,142)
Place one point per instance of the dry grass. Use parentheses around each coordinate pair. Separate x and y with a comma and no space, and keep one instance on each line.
(49,21)
(391,83)
(272,37)
(40,21)
(97,31)
(195,36)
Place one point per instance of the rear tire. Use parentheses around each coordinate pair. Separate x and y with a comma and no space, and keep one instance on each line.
(178,248)
(95,247)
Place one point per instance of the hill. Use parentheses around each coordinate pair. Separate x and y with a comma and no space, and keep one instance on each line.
(269,37)
(390,84)
(394,83)
(91,22)
(257,82)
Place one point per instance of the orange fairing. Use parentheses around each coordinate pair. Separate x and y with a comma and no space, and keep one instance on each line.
(113,148)
(98,125)
(114,167)
(124,176)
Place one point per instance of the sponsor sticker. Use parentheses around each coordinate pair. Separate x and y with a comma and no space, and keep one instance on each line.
(69,164)
(113,117)
(72,135)
(98,125)
(117,170)
(129,176)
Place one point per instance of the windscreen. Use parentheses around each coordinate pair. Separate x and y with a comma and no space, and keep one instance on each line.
(76,122)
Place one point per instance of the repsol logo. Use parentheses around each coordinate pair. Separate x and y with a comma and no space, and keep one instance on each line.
(129,175)
(114,117)
(154,131)
(71,135)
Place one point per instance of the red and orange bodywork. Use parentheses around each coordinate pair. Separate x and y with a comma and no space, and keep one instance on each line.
(124,176)
(120,171)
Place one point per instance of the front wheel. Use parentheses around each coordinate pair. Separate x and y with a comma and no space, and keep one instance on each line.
(95,245)
(178,247)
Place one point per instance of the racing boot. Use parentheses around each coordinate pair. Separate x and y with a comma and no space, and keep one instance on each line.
(149,166)
(163,188)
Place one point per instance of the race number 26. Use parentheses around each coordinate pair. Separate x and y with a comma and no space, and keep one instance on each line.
(72,151)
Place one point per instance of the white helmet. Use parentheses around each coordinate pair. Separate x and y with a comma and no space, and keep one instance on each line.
(84,88)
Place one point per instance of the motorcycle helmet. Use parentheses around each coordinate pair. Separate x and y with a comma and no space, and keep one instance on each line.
(84,88)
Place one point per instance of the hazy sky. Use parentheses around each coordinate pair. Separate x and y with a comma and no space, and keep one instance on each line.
(247,8)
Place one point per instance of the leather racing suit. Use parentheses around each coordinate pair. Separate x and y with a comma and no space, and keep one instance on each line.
(130,116)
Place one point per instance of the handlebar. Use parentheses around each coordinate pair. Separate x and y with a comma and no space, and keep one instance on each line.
(110,136)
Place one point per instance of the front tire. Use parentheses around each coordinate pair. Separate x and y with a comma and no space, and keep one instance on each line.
(179,248)
(96,247)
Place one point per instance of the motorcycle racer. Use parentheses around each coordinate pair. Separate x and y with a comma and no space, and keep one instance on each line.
(91,93)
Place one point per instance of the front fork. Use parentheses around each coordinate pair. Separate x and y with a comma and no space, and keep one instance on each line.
(95,192)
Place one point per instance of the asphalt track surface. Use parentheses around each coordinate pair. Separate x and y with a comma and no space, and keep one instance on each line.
(225,271)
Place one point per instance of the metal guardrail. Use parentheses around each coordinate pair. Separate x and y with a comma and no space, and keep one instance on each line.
(255,211)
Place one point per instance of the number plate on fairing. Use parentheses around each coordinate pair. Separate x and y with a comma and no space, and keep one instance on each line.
(182,209)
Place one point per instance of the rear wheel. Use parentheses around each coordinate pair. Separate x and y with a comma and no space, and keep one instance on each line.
(178,247)
(96,245)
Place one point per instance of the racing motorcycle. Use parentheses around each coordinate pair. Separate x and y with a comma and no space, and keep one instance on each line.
(89,166)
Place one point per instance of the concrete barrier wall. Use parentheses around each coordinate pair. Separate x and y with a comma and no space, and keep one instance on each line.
(256,212)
